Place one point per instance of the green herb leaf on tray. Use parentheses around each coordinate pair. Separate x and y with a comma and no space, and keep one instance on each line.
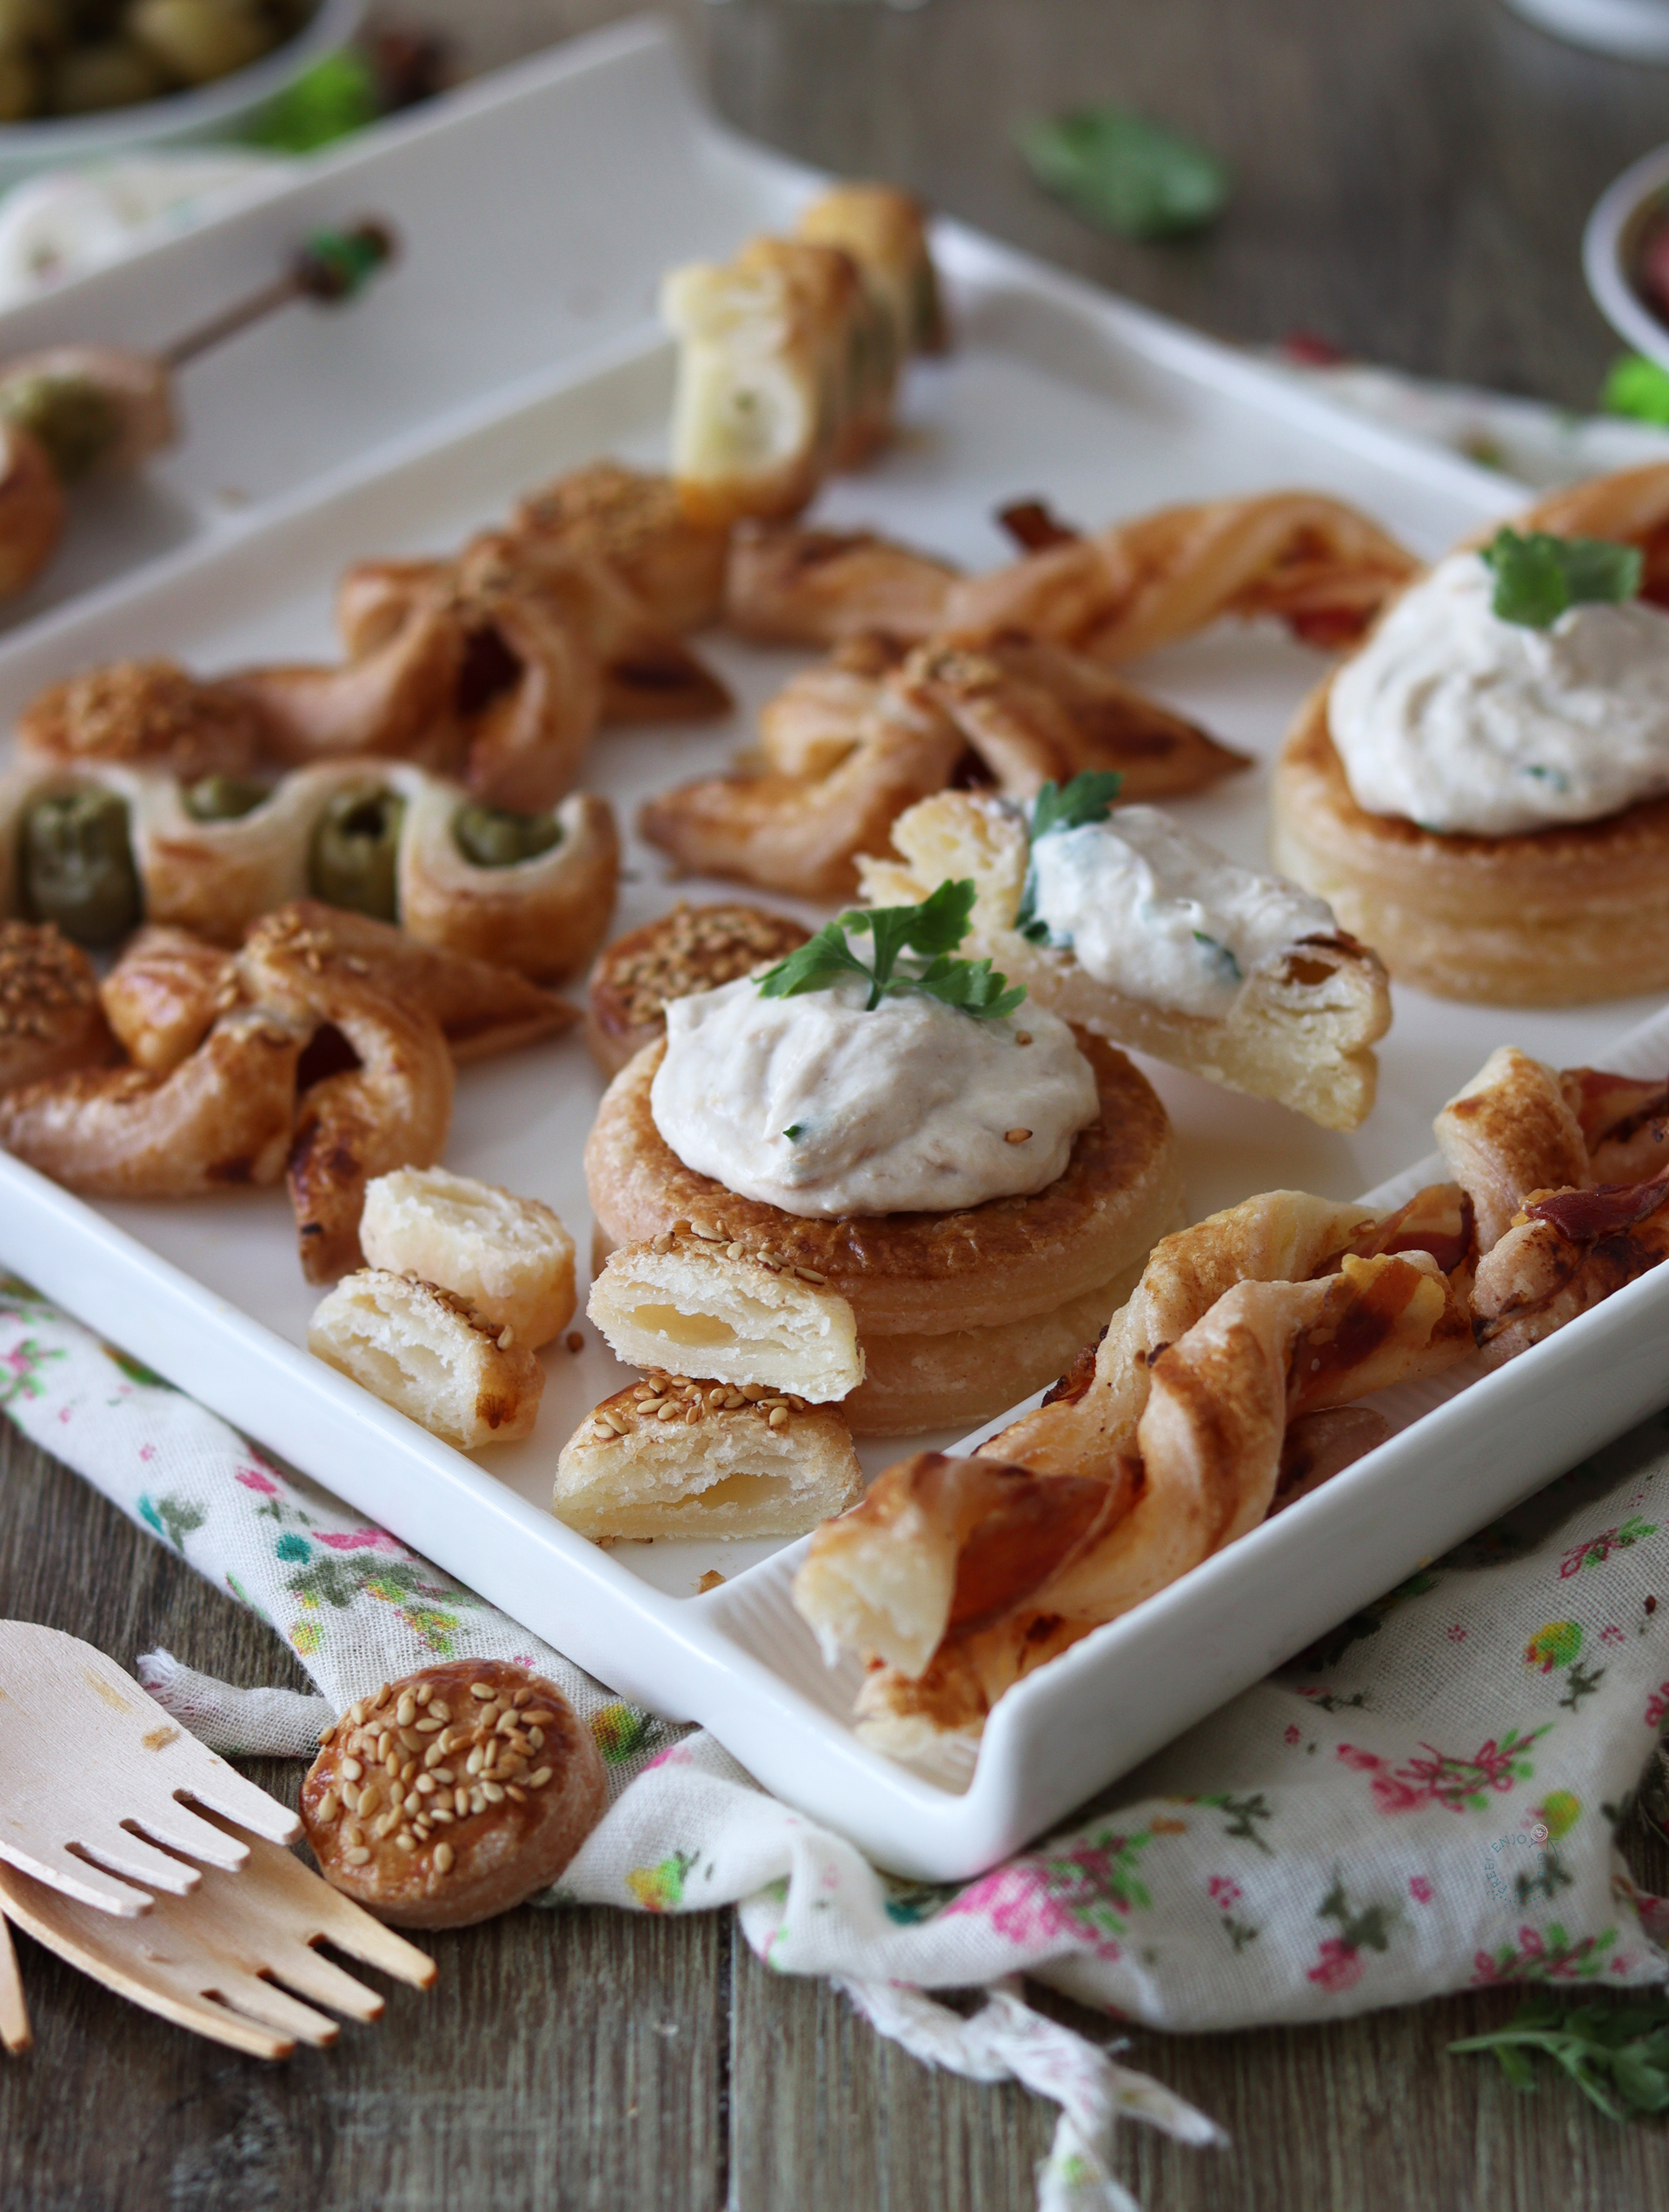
(933,929)
(1618,2055)
(1126,172)
(1637,388)
(1057,807)
(1538,576)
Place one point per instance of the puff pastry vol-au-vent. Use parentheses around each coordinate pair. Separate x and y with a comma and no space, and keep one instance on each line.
(1571,903)
(959,1313)
(1294,1020)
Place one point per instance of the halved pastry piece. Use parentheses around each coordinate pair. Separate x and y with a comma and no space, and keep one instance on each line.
(672,1458)
(428,1353)
(509,1258)
(743,1316)
(1131,927)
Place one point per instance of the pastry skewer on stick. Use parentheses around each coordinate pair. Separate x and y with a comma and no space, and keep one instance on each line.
(72,411)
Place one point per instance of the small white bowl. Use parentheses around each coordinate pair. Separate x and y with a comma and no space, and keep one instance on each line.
(206,112)
(1611,243)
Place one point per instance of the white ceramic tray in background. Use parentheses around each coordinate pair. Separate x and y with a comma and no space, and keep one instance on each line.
(1054,389)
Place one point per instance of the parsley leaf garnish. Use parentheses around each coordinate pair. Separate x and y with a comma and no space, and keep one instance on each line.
(1618,2055)
(1126,172)
(1538,576)
(1057,807)
(933,929)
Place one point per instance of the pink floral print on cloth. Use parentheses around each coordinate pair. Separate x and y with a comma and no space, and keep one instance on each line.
(1423,1800)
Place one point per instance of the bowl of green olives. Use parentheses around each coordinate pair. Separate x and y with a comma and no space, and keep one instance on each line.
(87,78)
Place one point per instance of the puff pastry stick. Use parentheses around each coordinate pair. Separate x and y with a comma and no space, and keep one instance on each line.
(786,585)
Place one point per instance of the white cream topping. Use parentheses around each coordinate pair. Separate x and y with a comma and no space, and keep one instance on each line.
(1163,916)
(1466,723)
(907,1110)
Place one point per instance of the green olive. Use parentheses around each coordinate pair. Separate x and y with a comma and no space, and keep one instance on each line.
(355,849)
(200,40)
(489,837)
(78,866)
(222,798)
(76,420)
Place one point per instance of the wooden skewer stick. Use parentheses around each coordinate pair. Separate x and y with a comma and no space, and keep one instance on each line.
(330,266)
(15,2035)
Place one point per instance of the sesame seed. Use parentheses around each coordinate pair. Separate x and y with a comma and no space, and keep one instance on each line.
(406,1840)
(520,1796)
(735,1251)
(428,1725)
(522,1697)
(352,1833)
(358,1855)
(327,1809)
(406,1712)
(779,1416)
(443,1855)
(459,1801)
(538,1780)
(350,1796)
(506,1338)
(810,1275)
(661,1243)
(708,1233)
(442,1812)
(492,1793)
(1016,1136)
(370,1798)
(481,1689)
(351,1769)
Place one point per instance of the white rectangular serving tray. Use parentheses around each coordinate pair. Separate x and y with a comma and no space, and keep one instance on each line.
(1054,389)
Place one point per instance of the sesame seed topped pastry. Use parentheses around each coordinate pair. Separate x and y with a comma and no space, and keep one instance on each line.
(509,1258)
(672,1458)
(1121,920)
(145,713)
(51,1019)
(1482,789)
(672,564)
(429,1354)
(453,1793)
(692,948)
(751,1316)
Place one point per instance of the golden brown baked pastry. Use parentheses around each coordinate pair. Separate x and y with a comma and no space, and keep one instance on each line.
(1511,1130)
(692,948)
(800,835)
(958,1313)
(787,585)
(672,1458)
(1300,1030)
(634,520)
(31,509)
(747,1317)
(388,1107)
(1566,915)
(162,995)
(509,1258)
(51,1019)
(1311,561)
(961,1577)
(429,1353)
(148,714)
(1564,1252)
(402,831)
(219,1120)
(810,726)
(885,232)
(453,1793)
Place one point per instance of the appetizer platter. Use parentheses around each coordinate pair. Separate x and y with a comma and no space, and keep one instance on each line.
(1011,598)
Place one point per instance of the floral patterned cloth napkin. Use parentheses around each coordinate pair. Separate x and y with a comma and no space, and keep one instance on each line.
(1423,1801)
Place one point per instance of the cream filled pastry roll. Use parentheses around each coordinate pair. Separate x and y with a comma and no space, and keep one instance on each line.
(1482,790)
(898,1125)
(1124,921)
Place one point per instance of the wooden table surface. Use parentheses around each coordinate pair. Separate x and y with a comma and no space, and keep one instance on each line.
(1412,179)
